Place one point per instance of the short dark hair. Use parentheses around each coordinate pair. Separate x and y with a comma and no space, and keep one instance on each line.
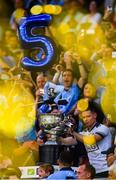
(89,168)
(94,107)
(69,70)
(47,167)
(66,158)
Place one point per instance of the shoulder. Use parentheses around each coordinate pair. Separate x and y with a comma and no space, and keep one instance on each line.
(75,87)
(56,175)
(101,126)
(63,175)
(102,130)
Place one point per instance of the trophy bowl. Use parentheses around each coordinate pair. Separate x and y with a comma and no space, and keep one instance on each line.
(51,124)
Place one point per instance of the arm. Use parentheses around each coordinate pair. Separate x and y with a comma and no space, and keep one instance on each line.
(68,59)
(56,77)
(80,137)
(58,69)
(68,141)
(98,137)
(39,140)
(82,71)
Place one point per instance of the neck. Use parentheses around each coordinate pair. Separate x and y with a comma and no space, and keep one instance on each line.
(92,126)
(66,88)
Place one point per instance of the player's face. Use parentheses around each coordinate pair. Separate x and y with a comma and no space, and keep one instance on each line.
(89,118)
(67,79)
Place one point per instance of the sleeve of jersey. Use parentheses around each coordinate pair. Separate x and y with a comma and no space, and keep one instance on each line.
(102,131)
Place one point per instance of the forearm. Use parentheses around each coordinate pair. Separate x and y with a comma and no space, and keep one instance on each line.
(78,136)
(68,65)
(82,70)
(68,141)
(56,77)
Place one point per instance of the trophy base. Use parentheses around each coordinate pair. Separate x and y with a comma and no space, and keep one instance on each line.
(51,143)
(49,153)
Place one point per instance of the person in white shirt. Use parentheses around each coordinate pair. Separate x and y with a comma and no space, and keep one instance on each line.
(93,17)
(102,140)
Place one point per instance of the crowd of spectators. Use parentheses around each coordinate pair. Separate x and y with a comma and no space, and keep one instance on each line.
(64,89)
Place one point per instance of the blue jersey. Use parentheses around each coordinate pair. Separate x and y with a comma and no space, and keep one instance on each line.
(51,90)
(71,96)
(63,174)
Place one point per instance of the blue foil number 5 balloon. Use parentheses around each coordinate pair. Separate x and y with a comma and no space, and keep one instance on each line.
(42,49)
